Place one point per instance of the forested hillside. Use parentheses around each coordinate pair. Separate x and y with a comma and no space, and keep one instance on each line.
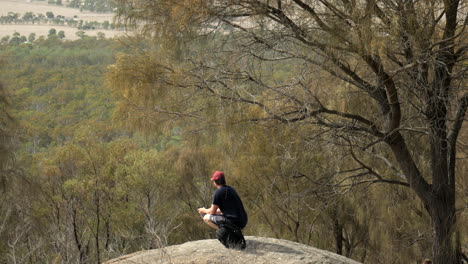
(76,188)
(111,144)
(358,104)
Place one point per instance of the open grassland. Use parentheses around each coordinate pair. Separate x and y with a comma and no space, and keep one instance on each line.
(41,7)
(23,6)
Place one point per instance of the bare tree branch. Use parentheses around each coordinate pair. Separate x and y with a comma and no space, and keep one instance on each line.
(453,136)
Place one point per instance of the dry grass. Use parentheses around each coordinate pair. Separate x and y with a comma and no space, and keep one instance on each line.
(23,6)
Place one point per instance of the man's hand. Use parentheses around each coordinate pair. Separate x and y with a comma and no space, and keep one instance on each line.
(202,210)
(212,210)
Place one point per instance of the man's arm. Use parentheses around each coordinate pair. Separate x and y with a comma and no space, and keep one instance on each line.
(212,210)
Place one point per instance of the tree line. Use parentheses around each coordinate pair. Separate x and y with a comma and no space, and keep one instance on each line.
(101,6)
(59,20)
(52,37)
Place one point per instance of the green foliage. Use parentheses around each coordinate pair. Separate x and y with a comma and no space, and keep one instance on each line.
(52,31)
(61,34)
(5,39)
(81,177)
(7,128)
(317,99)
(93,5)
(50,14)
(28,16)
(32,37)
(88,186)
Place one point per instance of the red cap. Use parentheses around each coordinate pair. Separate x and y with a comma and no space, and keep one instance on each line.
(217,175)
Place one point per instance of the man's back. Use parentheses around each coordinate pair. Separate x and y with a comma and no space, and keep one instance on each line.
(230,204)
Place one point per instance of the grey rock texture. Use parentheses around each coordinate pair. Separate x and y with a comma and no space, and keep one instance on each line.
(260,250)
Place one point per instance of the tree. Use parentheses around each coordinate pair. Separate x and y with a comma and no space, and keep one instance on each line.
(6,134)
(5,39)
(49,14)
(383,80)
(12,16)
(101,35)
(6,151)
(61,34)
(81,34)
(73,3)
(15,40)
(32,37)
(28,16)
(105,24)
(40,16)
(52,32)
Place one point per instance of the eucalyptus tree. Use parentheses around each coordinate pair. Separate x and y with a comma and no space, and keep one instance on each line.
(7,129)
(399,62)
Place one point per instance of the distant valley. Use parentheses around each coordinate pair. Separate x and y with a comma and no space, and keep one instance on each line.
(65,19)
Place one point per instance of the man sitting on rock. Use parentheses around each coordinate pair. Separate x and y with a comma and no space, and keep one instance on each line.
(227,211)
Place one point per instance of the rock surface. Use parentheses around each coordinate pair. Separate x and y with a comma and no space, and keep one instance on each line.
(260,250)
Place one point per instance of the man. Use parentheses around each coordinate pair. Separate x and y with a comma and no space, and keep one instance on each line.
(226,206)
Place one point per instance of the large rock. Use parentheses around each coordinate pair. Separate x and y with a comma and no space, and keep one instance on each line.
(260,250)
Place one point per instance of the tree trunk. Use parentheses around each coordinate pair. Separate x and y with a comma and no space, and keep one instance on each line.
(338,232)
(98,223)
(439,200)
(108,234)
(77,237)
(443,222)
